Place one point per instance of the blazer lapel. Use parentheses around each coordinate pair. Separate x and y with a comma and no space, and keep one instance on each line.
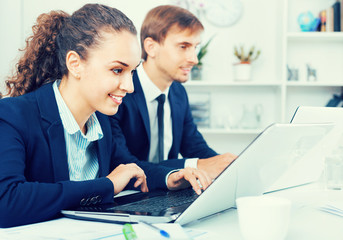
(58,151)
(102,145)
(53,127)
(139,99)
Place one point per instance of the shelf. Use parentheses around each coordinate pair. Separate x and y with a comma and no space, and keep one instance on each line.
(231,84)
(330,36)
(229,131)
(313,84)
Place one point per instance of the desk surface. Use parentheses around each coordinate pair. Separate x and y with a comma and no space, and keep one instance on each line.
(307,222)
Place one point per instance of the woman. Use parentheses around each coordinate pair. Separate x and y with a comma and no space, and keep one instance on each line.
(56,145)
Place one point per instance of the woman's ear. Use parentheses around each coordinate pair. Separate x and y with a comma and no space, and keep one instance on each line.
(150,47)
(73,62)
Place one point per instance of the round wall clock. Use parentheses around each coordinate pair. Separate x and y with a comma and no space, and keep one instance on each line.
(223,13)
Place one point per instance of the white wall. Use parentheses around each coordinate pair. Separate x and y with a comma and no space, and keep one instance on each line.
(10,28)
(18,16)
(260,25)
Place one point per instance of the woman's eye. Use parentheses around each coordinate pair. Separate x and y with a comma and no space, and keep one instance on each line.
(117,70)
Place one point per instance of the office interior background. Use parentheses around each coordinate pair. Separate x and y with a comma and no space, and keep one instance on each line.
(231,111)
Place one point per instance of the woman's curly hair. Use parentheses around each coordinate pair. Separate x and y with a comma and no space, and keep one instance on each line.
(54,35)
(40,48)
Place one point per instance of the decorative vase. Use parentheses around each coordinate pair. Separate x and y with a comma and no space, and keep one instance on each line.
(242,71)
(196,72)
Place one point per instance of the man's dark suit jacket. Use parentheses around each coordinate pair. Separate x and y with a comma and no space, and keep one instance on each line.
(134,127)
(34,178)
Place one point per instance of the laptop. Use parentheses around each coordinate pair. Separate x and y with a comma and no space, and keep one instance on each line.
(307,114)
(259,165)
(310,167)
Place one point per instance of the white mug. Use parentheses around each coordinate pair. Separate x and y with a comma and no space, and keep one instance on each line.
(263,217)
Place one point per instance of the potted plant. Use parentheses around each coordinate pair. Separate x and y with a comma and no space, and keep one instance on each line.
(197,69)
(242,69)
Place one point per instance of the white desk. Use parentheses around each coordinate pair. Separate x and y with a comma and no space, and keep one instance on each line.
(307,223)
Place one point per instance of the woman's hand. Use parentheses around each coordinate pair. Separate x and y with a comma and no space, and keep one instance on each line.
(198,179)
(122,174)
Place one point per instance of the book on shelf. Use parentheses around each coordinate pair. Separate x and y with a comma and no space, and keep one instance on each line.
(322,16)
(337,16)
(329,19)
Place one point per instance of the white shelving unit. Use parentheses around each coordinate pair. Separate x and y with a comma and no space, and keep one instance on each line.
(227,100)
(197,83)
(323,51)
(334,36)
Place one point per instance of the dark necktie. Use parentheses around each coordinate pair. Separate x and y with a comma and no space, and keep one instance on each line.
(160,113)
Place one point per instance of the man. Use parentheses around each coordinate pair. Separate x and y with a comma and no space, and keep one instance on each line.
(154,132)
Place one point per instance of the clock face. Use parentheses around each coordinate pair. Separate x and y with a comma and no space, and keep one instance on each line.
(223,13)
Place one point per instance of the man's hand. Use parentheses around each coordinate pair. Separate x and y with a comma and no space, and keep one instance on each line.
(215,165)
(189,176)
(122,174)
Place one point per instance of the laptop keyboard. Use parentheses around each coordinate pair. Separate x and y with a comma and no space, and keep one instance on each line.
(160,203)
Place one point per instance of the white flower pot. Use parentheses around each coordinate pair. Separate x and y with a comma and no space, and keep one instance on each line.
(242,72)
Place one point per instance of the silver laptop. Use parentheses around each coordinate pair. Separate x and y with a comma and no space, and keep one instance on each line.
(262,162)
(307,114)
(310,167)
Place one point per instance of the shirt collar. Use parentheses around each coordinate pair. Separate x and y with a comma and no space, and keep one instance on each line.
(151,91)
(70,125)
